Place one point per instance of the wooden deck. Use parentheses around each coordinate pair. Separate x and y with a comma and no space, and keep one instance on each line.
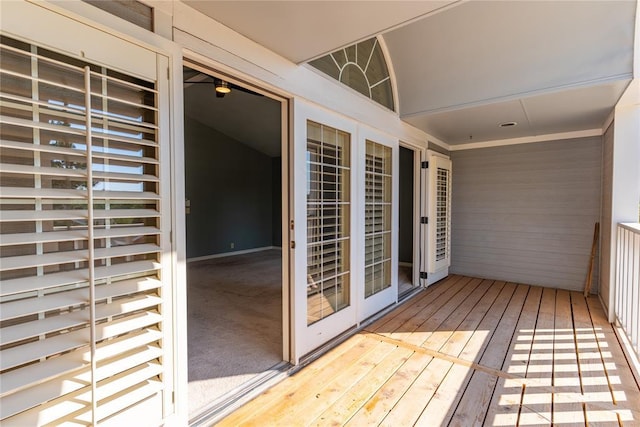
(465,352)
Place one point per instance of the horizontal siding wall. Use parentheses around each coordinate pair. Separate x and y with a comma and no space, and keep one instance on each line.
(525,213)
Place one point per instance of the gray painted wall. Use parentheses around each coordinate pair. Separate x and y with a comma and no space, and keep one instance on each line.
(276,201)
(229,185)
(525,213)
(405,201)
(605,225)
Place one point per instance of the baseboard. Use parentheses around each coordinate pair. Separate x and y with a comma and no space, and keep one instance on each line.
(234,253)
(405,264)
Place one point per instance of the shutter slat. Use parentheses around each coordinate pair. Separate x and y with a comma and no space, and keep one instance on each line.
(52,215)
(14,309)
(62,322)
(40,125)
(70,235)
(45,148)
(52,280)
(48,215)
(53,258)
(73,387)
(42,170)
(34,351)
(42,193)
(32,375)
(124,176)
(46,237)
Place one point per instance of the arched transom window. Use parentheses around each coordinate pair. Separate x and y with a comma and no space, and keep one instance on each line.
(362,67)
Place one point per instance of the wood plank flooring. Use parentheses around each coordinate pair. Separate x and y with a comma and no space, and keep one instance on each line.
(465,352)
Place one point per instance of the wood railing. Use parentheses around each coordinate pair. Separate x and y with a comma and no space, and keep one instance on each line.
(627,288)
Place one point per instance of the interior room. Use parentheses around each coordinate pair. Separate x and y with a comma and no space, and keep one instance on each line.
(406,221)
(233,222)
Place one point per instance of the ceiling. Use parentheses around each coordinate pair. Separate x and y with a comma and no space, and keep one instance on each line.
(462,68)
(247,117)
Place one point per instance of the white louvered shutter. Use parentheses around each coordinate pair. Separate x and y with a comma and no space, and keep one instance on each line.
(439,213)
(81,293)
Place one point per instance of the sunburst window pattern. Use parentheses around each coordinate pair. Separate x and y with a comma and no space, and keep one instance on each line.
(363,68)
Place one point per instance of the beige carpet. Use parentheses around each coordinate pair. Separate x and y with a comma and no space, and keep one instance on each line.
(234,323)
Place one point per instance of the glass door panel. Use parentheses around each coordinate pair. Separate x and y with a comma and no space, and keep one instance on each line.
(322,170)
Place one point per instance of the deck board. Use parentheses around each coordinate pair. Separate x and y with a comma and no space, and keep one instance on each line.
(465,352)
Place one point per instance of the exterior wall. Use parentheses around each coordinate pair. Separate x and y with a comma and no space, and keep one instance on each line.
(525,213)
(229,186)
(605,221)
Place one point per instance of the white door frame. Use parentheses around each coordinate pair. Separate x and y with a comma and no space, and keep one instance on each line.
(209,67)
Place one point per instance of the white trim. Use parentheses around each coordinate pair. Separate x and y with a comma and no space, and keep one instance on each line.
(608,121)
(438,142)
(392,73)
(529,139)
(234,253)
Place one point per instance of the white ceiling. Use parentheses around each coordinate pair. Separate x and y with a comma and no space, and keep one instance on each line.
(464,67)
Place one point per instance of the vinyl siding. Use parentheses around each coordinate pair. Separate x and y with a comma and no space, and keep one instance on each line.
(525,213)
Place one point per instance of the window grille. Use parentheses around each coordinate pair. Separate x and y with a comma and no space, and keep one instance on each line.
(377,218)
(81,302)
(328,216)
(362,67)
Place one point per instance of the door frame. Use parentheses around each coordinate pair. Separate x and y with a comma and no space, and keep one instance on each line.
(210,68)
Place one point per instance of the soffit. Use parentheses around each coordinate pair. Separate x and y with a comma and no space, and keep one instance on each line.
(461,68)
(304,30)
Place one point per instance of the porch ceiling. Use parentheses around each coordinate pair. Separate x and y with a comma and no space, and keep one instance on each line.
(462,68)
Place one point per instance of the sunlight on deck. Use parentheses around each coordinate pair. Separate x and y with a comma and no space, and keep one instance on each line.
(465,352)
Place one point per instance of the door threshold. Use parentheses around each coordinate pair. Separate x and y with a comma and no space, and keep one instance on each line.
(234,399)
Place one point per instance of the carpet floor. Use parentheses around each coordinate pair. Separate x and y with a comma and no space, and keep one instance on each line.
(234,323)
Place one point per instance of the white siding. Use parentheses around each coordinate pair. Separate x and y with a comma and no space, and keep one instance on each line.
(525,213)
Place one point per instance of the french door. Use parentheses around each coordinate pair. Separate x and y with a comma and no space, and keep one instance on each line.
(85,279)
(345,217)
(323,294)
(377,269)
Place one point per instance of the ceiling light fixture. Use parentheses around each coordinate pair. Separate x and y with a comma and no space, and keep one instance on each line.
(508,124)
(222,87)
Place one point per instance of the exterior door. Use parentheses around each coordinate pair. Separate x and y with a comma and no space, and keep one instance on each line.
(324,297)
(377,222)
(86,296)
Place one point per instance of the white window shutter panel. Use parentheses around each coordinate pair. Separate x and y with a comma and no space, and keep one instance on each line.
(81,290)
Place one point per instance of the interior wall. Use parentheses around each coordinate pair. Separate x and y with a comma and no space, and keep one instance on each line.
(230,188)
(405,206)
(525,213)
(276,201)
